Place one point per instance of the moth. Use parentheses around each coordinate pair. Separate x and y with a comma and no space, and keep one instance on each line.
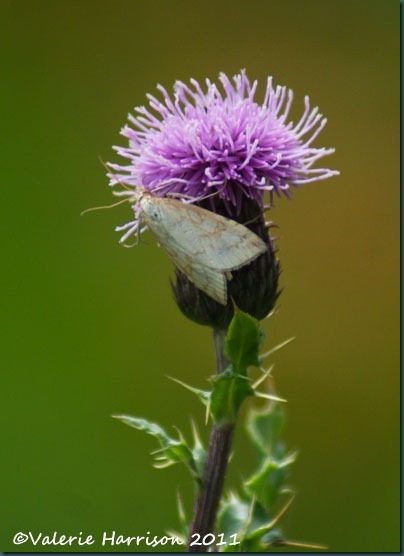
(205,246)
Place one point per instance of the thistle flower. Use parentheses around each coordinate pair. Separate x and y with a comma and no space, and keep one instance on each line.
(223,150)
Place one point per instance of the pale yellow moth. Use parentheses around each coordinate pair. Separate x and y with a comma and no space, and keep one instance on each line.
(205,246)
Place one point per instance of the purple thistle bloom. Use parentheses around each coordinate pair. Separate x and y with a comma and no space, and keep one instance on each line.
(223,142)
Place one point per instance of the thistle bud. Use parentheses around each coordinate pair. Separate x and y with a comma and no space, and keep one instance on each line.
(253,288)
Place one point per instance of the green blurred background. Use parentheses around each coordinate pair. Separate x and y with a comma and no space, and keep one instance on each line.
(90,329)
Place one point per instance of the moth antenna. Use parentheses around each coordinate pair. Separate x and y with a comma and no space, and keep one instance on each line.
(162,187)
(194,199)
(92,209)
(217,192)
(181,195)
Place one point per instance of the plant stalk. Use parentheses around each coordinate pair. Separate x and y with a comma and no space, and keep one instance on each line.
(210,491)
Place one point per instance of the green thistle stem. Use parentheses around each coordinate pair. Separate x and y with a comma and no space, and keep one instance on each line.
(210,491)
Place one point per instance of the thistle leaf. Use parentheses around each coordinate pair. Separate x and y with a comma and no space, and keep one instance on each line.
(172,450)
(242,342)
(264,428)
(267,483)
(228,393)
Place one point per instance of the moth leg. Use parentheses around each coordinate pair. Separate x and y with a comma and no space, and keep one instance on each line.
(254,219)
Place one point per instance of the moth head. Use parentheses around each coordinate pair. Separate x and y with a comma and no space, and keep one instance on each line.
(150,208)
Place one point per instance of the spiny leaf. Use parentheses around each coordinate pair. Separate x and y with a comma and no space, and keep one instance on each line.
(172,450)
(228,393)
(147,426)
(233,515)
(264,428)
(267,483)
(247,520)
(203,395)
(242,342)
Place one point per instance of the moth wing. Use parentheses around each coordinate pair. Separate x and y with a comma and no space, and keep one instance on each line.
(159,218)
(209,280)
(213,240)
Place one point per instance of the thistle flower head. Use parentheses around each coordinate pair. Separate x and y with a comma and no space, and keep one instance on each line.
(218,139)
(216,146)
